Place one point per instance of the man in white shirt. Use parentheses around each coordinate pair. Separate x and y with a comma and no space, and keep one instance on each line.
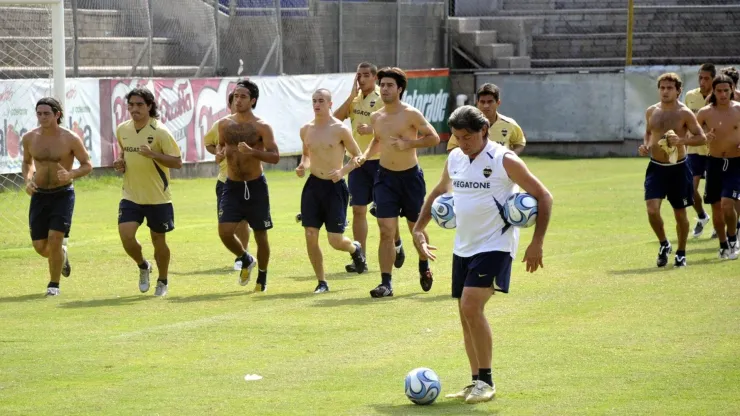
(482,174)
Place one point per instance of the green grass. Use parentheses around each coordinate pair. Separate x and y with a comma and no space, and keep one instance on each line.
(599,331)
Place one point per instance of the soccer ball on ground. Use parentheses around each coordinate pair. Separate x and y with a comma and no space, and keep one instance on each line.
(422,386)
(520,210)
(443,211)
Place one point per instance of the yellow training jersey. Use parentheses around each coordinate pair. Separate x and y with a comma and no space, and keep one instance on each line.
(359,113)
(505,131)
(145,181)
(695,101)
(211,139)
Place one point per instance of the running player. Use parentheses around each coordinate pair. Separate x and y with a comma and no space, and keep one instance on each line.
(363,101)
(49,152)
(485,244)
(504,130)
(667,174)
(399,187)
(212,146)
(696,156)
(148,152)
(247,141)
(325,195)
(722,189)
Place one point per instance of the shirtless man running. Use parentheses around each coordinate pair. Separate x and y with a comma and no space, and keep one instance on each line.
(400,185)
(325,195)
(247,141)
(49,152)
(721,119)
(667,174)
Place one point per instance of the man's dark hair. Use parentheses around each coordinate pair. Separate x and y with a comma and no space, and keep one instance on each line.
(55,105)
(231,99)
(148,98)
(373,68)
(488,89)
(397,74)
(468,118)
(254,90)
(709,68)
(731,72)
(720,79)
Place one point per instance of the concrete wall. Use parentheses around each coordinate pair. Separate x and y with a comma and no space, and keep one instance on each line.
(564,107)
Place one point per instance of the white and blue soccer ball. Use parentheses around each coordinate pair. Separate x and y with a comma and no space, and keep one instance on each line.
(443,211)
(520,210)
(422,386)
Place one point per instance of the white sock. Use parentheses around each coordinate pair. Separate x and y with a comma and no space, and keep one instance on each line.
(64,241)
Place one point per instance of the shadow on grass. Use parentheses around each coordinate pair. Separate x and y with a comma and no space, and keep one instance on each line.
(209,297)
(363,300)
(96,303)
(329,276)
(443,407)
(23,298)
(654,269)
(308,293)
(216,270)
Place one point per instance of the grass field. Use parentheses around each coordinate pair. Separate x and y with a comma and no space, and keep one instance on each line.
(599,331)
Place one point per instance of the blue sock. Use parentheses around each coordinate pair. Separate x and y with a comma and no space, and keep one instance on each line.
(423,266)
(386,279)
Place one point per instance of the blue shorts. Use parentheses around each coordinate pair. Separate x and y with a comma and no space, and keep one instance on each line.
(488,269)
(723,179)
(246,201)
(324,202)
(160,218)
(674,182)
(361,182)
(51,210)
(399,193)
(697,164)
(219,192)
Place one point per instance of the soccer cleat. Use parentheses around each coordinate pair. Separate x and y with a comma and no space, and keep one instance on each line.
(714,234)
(680,261)
(144,278)
(238,264)
(481,392)
(260,287)
(426,280)
(381,291)
(350,268)
(462,394)
(245,271)
(373,209)
(52,291)
(663,253)
(400,257)
(161,289)
(727,254)
(359,264)
(66,268)
(322,287)
(699,228)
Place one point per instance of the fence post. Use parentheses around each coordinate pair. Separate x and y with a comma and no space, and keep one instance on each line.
(151,37)
(279,16)
(630,30)
(75,45)
(217,42)
(398,33)
(446,34)
(339,36)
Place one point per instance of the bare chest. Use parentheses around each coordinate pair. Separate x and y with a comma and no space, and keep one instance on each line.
(663,121)
(322,141)
(243,132)
(49,149)
(724,123)
(394,125)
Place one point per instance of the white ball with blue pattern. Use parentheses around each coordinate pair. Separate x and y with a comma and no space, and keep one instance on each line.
(422,386)
(443,211)
(520,210)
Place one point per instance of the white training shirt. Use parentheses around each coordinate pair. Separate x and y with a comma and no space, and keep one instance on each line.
(477,185)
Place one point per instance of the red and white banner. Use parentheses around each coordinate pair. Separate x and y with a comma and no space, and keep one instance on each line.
(18,116)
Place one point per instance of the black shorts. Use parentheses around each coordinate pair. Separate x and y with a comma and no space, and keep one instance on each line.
(219,192)
(399,193)
(160,218)
(324,202)
(246,201)
(51,209)
(489,269)
(672,181)
(697,164)
(361,182)
(723,179)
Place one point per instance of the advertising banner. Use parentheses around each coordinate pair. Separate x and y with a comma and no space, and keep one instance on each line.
(429,92)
